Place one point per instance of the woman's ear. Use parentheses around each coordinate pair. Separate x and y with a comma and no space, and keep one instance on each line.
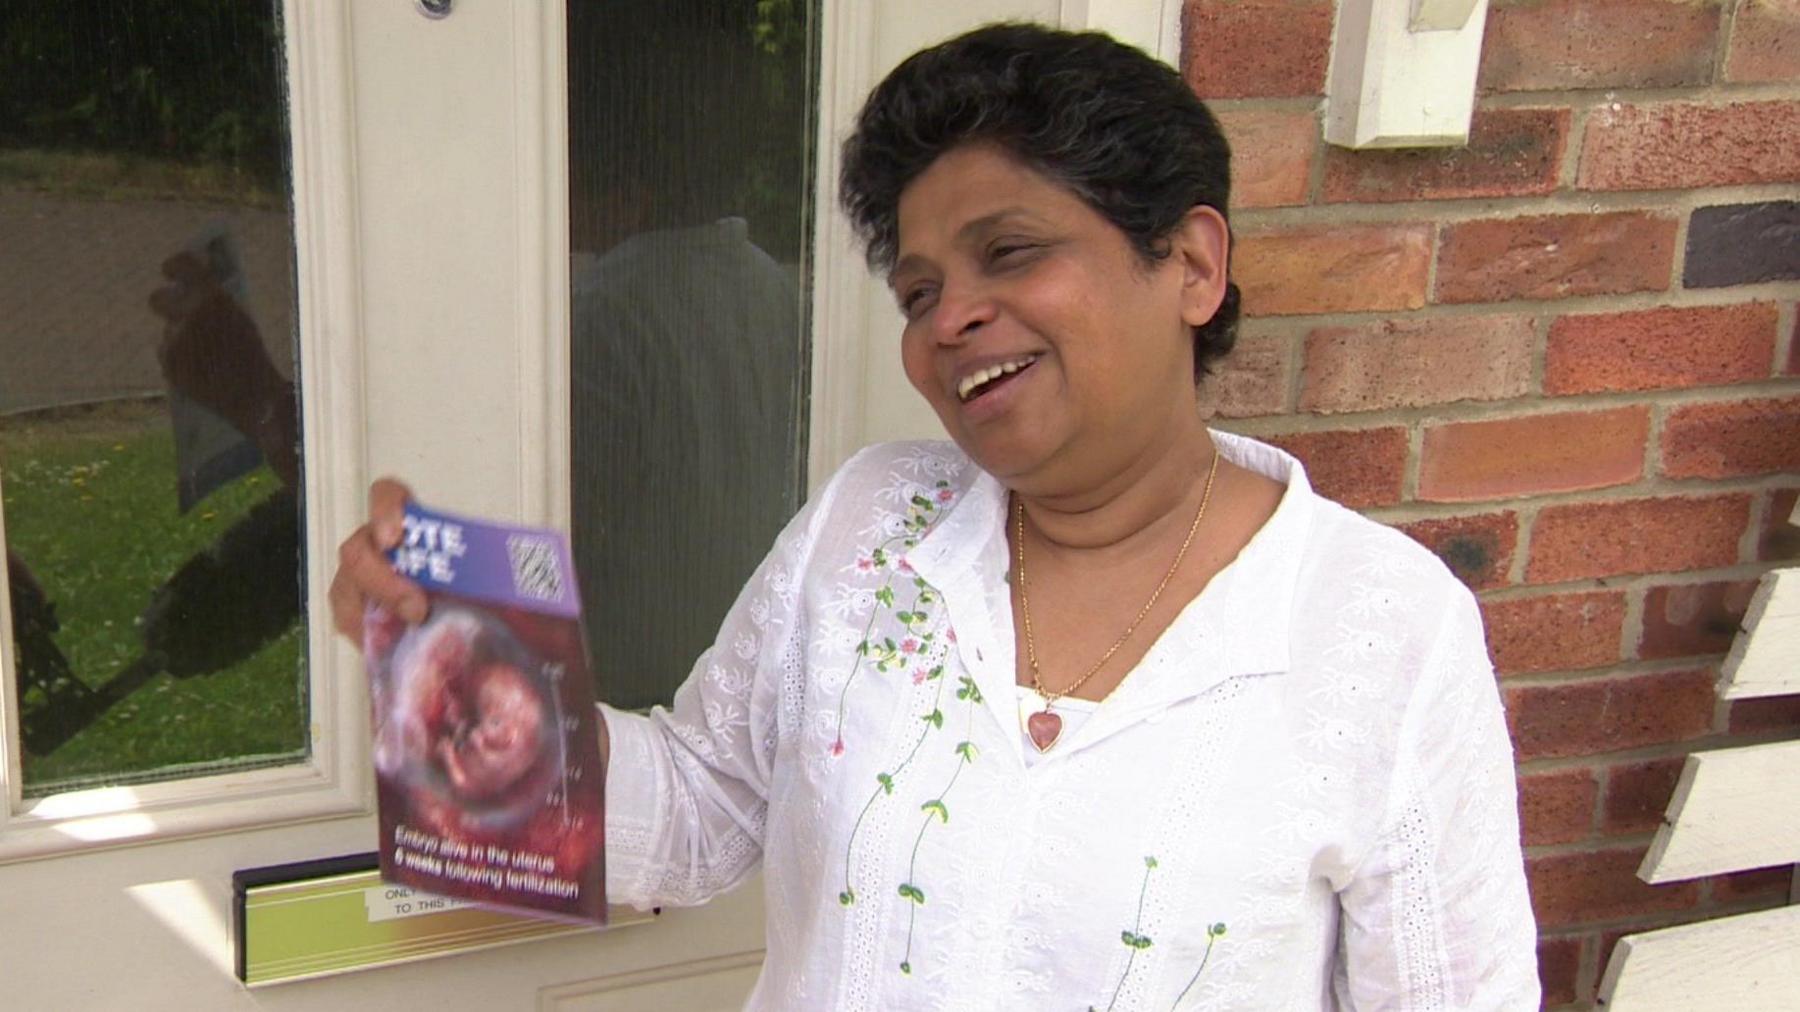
(1201,247)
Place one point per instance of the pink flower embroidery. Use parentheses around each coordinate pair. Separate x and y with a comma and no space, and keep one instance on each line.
(837,747)
(909,646)
(918,675)
(865,564)
(945,495)
(905,566)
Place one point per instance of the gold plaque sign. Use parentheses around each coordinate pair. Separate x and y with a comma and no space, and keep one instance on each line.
(315,918)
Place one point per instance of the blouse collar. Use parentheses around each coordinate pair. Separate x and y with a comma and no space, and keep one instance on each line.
(1239,625)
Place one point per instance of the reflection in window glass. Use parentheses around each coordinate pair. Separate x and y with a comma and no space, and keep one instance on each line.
(149,445)
(690,187)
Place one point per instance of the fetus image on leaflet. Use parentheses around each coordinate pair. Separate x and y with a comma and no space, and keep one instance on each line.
(460,716)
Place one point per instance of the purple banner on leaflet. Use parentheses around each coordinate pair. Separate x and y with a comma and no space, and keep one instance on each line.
(525,567)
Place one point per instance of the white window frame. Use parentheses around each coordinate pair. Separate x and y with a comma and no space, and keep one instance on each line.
(333,780)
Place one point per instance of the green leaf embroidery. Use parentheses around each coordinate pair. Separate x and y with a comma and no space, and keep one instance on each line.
(847,897)
(966,750)
(1149,861)
(921,502)
(936,807)
(886,782)
(886,596)
(906,967)
(1135,940)
(935,718)
(912,892)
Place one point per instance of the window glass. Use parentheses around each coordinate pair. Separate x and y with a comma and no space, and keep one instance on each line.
(149,447)
(690,192)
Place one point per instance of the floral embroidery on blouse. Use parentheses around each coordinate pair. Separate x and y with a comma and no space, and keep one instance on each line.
(884,653)
(1137,942)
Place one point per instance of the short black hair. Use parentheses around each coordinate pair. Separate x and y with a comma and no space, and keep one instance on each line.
(1119,128)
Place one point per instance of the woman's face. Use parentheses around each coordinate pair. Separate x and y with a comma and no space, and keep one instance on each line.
(1048,348)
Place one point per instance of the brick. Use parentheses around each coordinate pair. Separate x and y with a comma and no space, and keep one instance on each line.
(1571,889)
(1741,244)
(1609,715)
(1559,966)
(1227,49)
(1555,256)
(1659,349)
(1533,454)
(1560,632)
(1793,362)
(1660,146)
(1557,807)
(1413,362)
(1732,439)
(1478,548)
(1580,541)
(1765,715)
(1345,268)
(1689,619)
(1765,42)
(1750,886)
(1253,379)
(1511,152)
(1271,155)
(1779,541)
(1357,467)
(1559,44)
(1637,795)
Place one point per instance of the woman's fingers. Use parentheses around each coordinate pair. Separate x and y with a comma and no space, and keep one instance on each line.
(387,505)
(364,574)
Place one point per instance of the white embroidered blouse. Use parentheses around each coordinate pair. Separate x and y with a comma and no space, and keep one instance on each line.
(1302,798)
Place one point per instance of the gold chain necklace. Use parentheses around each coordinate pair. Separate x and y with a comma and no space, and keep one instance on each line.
(1044,728)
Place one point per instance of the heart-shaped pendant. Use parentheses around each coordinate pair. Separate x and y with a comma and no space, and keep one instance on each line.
(1044,728)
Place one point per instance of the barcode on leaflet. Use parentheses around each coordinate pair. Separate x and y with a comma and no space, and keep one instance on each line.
(535,572)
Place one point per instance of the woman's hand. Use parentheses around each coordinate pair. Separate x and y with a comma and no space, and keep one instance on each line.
(365,576)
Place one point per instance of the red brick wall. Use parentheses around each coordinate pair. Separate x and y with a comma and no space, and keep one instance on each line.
(1565,358)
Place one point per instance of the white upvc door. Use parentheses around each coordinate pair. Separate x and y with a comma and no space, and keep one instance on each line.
(432,248)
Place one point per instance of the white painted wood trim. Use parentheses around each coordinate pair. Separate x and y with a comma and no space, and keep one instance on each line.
(541,143)
(11,768)
(1747,963)
(1765,657)
(1151,25)
(1733,809)
(841,292)
(605,992)
(334,779)
(1391,86)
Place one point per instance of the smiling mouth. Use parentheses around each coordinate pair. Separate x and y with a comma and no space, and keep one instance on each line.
(983,380)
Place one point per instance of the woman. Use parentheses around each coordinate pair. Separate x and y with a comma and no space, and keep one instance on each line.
(1094,708)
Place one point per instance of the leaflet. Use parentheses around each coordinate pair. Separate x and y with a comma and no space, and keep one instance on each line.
(486,747)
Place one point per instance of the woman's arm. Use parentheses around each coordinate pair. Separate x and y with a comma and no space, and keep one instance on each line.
(1437,916)
(687,786)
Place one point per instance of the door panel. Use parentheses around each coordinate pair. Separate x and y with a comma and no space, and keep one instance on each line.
(433,303)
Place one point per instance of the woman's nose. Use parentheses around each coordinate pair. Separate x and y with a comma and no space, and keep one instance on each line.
(962,309)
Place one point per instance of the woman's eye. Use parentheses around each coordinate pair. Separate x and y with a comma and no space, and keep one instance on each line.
(915,301)
(1013,250)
